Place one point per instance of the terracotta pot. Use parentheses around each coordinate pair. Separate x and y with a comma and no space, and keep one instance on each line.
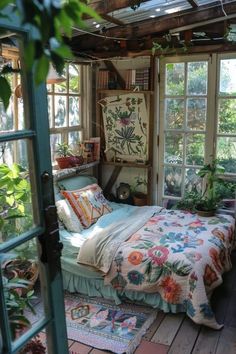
(64,162)
(140,199)
(206,213)
(23,269)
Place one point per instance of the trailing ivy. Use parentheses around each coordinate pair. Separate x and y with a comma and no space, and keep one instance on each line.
(53,20)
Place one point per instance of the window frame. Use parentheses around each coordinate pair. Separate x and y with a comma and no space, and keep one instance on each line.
(212,113)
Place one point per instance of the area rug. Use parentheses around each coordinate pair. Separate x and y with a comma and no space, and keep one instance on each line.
(102,325)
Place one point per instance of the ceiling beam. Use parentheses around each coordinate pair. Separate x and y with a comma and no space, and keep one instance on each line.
(193,3)
(106,6)
(157,26)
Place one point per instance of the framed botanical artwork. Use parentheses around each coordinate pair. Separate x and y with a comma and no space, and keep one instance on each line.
(125,121)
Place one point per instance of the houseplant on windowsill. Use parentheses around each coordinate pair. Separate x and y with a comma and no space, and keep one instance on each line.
(64,155)
(205,203)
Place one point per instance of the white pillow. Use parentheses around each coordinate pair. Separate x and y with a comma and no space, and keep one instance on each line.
(67,215)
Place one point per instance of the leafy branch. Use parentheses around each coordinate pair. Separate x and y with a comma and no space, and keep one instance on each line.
(53,21)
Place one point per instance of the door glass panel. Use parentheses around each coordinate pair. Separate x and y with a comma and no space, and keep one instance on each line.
(196,113)
(50,111)
(174,113)
(18,213)
(197,78)
(22,290)
(226,153)
(195,149)
(74,111)
(228,77)
(227,116)
(174,148)
(175,79)
(173,179)
(60,111)
(13,118)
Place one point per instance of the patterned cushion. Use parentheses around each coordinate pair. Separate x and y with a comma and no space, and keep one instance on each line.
(88,203)
(67,215)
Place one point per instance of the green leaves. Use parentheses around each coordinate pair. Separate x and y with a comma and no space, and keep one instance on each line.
(5,92)
(41,71)
(14,192)
(53,20)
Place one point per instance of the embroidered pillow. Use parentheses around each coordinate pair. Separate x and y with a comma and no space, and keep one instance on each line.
(68,217)
(88,203)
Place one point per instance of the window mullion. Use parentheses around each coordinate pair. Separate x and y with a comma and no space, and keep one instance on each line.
(211,110)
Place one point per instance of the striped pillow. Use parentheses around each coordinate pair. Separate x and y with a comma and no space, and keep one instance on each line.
(88,203)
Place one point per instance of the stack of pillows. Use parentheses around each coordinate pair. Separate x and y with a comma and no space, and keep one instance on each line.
(81,207)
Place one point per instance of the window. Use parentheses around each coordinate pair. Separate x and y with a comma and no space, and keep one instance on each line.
(197,121)
(68,108)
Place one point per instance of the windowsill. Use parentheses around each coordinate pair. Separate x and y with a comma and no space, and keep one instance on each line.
(61,173)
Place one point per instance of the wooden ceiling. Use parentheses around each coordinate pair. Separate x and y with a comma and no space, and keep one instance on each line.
(203,26)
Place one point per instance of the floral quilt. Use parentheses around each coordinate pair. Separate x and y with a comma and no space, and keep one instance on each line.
(179,255)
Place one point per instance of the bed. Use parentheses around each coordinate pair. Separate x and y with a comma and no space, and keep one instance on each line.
(168,259)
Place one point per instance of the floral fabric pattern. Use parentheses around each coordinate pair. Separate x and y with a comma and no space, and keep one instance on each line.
(179,255)
(125,126)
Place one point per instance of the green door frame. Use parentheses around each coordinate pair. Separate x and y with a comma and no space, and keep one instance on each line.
(47,229)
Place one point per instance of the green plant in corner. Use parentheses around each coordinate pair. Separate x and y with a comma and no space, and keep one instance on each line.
(209,199)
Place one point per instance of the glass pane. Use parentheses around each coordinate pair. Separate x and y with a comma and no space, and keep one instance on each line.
(173,148)
(6,152)
(174,113)
(197,78)
(6,117)
(227,116)
(226,153)
(175,79)
(62,86)
(13,118)
(18,213)
(74,111)
(22,291)
(228,77)
(192,181)
(74,139)
(196,113)
(195,149)
(54,140)
(74,78)
(173,181)
(50,111)
(60,111)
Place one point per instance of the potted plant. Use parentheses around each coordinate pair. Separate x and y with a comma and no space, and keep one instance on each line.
(64,155)
(17,303)
(205,203)
(34,346)
(139,197)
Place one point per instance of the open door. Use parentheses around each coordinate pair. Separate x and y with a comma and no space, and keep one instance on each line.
(29,238)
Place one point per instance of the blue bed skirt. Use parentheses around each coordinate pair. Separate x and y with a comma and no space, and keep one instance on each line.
(89,282)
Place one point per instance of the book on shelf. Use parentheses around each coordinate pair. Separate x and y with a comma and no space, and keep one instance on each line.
(133,78)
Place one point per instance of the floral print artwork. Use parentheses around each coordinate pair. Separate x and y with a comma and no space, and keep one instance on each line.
(125,126)
(180,256)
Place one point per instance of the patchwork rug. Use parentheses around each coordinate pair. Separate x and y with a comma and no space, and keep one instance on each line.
(102,325)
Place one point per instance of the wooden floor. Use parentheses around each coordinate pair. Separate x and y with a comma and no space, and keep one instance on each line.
(177,334)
